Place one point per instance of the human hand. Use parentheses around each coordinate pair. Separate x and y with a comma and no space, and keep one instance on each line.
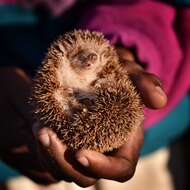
(17,144)
(85,167)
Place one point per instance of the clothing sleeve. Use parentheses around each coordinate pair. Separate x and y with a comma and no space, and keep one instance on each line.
(148,26)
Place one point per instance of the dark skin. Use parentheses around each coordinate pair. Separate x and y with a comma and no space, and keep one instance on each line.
(43,158)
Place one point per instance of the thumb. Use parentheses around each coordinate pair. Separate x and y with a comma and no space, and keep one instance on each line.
(41,134)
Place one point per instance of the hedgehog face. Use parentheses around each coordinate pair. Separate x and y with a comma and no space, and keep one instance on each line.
(84,60)
(84,63)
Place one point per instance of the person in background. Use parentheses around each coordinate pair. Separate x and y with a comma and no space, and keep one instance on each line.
(152,34)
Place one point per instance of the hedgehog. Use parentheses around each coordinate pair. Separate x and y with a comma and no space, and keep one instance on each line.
(84,95)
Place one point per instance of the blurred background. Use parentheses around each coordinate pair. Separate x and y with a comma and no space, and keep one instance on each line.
(157,33)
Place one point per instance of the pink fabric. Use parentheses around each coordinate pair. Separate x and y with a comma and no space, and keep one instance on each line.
(149,27)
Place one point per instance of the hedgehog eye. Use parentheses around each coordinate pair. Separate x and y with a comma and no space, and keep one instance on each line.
(82,57)
(92,56)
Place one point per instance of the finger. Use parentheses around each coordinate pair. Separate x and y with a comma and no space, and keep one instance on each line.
(61,165)
(107,167)
(150,89)
(19,92)
(120,165)
(148,85)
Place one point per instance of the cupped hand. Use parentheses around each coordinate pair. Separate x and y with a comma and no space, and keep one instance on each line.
(86,167)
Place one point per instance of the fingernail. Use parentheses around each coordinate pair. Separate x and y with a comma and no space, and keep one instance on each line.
(160,91)
(83,161)
(43,137)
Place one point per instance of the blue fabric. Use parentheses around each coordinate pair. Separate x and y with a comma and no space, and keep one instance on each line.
(167,130)
(6,172)
(12,14)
